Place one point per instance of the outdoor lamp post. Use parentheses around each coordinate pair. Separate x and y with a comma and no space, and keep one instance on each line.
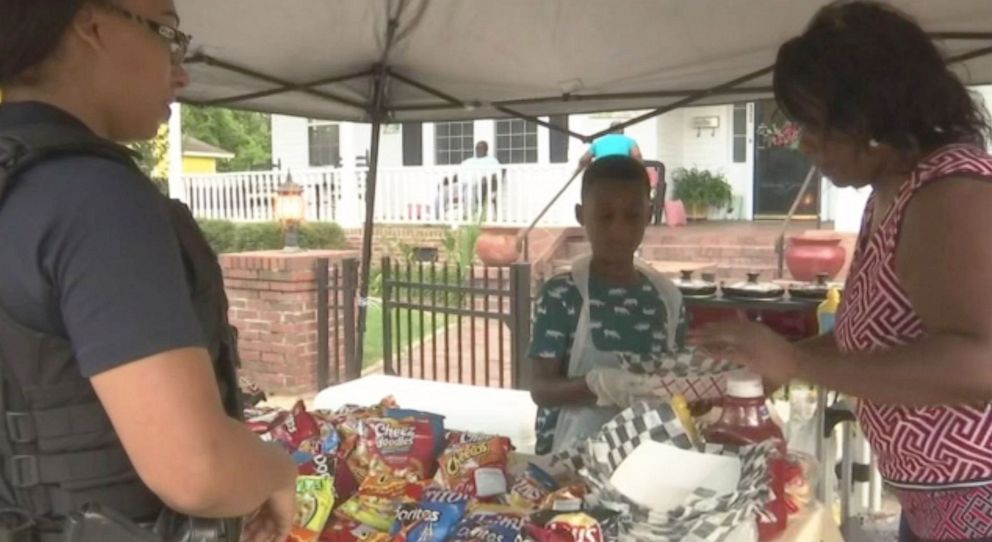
(289,209)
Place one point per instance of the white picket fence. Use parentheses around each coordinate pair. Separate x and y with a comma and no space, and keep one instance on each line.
(509,195)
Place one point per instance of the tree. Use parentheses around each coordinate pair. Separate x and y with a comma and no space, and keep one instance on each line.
(245,133)
(153,159)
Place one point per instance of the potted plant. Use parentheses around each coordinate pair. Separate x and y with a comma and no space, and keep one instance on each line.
(701,190)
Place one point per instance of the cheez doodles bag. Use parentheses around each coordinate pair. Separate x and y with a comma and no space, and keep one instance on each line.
(404,448)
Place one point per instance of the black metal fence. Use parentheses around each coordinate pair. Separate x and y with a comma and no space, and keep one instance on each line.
(456,324)
(337,294)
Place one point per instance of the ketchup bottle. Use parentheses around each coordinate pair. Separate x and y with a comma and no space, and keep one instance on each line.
(746,420)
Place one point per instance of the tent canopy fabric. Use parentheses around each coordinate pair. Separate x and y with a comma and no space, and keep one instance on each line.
(485,59)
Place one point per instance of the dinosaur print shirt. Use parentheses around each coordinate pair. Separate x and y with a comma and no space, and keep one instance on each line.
(623,319)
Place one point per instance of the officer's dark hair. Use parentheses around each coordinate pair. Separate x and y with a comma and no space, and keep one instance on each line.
(30,31)
(615,168)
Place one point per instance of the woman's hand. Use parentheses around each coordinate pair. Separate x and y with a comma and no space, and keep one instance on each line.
(755,346)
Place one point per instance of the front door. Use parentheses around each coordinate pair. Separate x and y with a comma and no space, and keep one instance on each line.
(779,167)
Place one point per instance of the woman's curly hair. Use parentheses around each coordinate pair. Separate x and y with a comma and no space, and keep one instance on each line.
(864,69)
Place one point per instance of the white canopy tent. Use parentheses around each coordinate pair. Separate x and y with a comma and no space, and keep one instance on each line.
(406,60)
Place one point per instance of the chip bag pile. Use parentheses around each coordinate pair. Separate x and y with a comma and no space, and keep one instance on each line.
(382,473)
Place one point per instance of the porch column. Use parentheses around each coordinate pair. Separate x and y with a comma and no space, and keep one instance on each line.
(177,185)
(349,211)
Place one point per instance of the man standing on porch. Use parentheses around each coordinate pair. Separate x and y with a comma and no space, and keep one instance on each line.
(615,143)
(475,173)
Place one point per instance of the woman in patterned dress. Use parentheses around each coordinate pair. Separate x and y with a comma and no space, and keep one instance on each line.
(913,340)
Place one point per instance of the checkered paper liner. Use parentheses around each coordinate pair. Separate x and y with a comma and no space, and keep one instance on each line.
(688,372)
(705,516)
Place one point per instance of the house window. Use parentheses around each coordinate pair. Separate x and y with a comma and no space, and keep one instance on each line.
(453,142)
(516,141)
(325,144)
(740,133)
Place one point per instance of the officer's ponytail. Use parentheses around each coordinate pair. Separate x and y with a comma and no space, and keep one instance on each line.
(30,31)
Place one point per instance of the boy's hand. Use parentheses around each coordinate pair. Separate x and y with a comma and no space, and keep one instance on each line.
(617,387)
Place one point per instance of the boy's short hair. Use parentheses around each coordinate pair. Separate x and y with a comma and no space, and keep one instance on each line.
(615,168)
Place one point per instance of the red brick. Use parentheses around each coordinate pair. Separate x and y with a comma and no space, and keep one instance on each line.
(271,357)
(245,274)
(301,286)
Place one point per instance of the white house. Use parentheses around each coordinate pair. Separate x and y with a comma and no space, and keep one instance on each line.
(416,159)
(719,138)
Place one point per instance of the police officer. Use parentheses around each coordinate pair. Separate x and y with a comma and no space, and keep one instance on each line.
(115,353)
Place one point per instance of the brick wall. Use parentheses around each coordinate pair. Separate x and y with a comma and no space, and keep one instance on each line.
(387,240)
(273,303)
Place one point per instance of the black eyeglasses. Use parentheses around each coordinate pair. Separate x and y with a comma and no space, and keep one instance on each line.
(177,40)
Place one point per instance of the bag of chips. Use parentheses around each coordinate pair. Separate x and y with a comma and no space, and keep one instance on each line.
(400,447)
(531,488)
(357,411)
(490,523)
(377,500)
(433,519)
(593,525)
(477,469)
(346,530)
(436,422)
(314,501)
(260,419)
(293,427)
(299,534)
(454,438)
(565,499)
(333,468)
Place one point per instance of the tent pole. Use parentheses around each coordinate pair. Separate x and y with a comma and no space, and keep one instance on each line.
(377,113)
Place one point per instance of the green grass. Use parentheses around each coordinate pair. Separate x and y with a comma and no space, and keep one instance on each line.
(373,331)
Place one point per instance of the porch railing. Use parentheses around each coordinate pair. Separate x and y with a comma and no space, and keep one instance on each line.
(510,195)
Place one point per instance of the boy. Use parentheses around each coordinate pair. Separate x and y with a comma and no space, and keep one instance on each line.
(608,303)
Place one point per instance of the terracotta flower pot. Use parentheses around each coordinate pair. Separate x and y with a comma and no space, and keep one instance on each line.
(807,257)
(497,246)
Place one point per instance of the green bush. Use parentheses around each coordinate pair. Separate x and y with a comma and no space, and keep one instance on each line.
(225,236)
(219,233)
(326,235)
(257,236)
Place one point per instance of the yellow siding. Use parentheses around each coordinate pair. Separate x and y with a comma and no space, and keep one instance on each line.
(198,164)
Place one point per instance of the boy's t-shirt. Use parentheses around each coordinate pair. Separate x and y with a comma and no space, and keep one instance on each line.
(630,319)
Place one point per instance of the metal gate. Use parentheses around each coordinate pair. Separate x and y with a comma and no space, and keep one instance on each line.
(449,323)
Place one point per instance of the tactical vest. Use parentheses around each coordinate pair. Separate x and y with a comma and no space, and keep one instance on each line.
(59,448)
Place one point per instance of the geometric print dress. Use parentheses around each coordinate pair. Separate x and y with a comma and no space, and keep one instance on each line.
(936,459)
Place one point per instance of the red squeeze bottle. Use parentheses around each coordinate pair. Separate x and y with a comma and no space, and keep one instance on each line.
(746,420)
